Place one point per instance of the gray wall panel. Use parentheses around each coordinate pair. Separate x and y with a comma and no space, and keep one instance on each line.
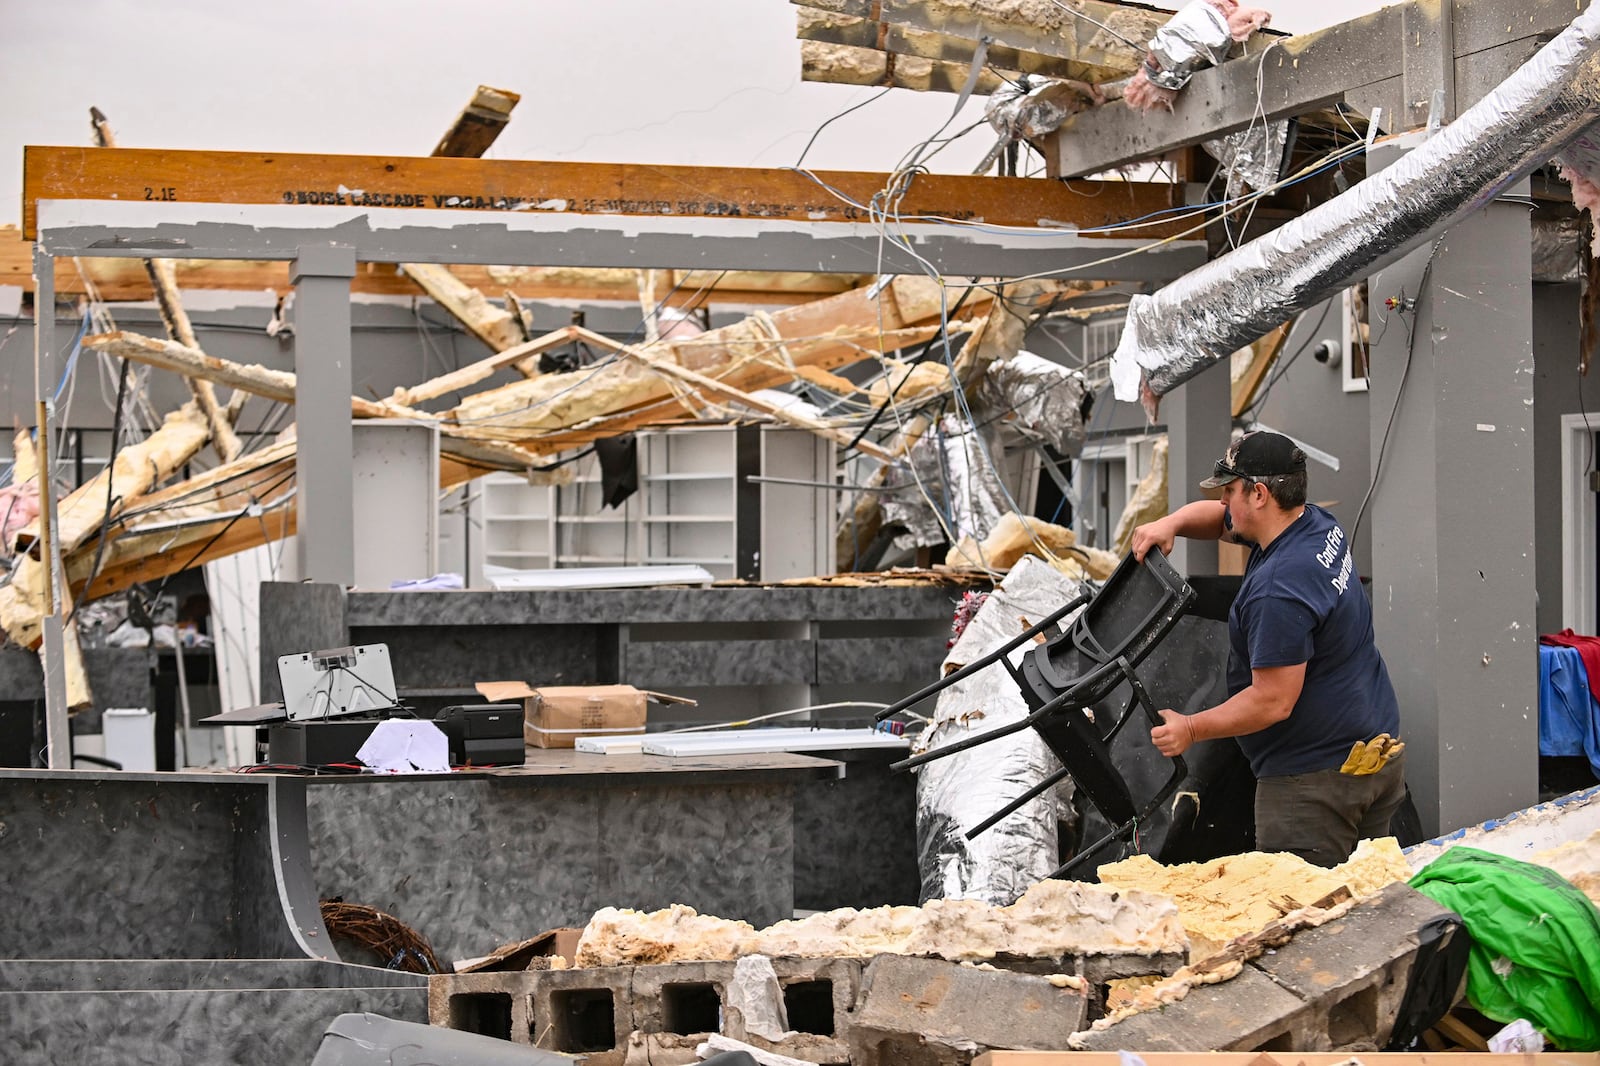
(473,865)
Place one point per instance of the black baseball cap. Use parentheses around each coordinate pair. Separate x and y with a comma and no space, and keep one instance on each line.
(1256,456)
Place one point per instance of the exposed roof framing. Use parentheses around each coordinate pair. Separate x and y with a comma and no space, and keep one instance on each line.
(1032,36)
(842,64)
(1389,59)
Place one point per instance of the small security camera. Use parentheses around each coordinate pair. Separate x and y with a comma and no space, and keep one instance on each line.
(1327,353)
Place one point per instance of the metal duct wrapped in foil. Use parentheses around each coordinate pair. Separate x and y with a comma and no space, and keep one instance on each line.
(1024,112)
(957,793)
(1195,38)
(953,470)
(1557,250)
(1045,400)
(1212,312)
(1253,156)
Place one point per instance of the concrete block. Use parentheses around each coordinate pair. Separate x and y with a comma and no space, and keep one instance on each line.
(493,1004)
(819,999)
(684,998)
(1249,1013)
(1098,969)
(583,1011)
(1333,988)
(1353,972)
(820,995)
(928,1012)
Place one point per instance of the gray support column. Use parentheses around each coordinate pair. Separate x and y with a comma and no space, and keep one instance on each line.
(324,484)
(1452,516)
(1199,423)
(46,371)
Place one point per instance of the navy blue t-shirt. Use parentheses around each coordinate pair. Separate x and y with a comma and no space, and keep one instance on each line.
(1301,602)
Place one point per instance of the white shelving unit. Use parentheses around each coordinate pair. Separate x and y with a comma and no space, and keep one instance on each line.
(688,494)
(693,506)
(587,534)
(513,526)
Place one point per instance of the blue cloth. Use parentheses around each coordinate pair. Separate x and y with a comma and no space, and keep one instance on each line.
(1569,716)
(1301,602)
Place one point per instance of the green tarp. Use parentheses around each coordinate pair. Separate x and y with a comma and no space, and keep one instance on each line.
(1536,942)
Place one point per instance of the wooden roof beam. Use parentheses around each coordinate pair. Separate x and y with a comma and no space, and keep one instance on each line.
(476,189)
(1050,42)
(1041,27)
(841,64)
(828,27)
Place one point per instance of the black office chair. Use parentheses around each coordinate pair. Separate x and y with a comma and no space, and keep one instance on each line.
(1064,677)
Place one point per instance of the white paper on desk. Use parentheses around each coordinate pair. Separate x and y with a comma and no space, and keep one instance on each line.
(406,746)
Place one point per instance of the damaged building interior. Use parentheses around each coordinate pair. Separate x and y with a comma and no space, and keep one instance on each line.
(1124,587)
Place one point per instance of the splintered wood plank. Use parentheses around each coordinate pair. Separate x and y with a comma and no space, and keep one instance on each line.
(279,385)
(842,64)
(705,383)
(750,354)
(1264,353)
(479,123)
(483,186)
(494,325)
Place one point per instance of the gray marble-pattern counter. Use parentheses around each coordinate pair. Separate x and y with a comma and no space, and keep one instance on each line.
(477,607)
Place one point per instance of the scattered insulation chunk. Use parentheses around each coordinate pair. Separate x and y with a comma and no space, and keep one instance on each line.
(1238,894)
(1051,920)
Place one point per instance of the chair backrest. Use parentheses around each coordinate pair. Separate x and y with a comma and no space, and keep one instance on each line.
(1135,609)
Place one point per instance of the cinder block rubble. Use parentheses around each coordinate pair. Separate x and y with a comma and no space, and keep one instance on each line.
(583,1011)
(928,1012)
(1336,987)
(497,1004)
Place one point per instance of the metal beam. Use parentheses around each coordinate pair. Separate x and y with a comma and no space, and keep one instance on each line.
(324,482)
(1311,71)
(471,189)
(46,369)
(115,279)
(211,231)
(1428,63)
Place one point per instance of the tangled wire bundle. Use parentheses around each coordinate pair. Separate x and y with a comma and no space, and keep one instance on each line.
(396,944)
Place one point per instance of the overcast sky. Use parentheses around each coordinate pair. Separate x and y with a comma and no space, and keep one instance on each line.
(712,82)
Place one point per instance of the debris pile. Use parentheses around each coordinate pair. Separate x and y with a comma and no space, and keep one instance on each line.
(1054,919)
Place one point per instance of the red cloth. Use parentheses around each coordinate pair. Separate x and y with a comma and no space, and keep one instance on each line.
(1588,651)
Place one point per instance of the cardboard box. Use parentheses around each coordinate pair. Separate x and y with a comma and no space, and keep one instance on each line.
(556,716)
(536,954)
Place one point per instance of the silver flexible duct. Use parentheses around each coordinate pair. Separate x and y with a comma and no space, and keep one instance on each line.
(957,793)
(1212,312)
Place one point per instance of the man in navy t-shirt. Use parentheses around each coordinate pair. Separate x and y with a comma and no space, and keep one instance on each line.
(1308,687)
